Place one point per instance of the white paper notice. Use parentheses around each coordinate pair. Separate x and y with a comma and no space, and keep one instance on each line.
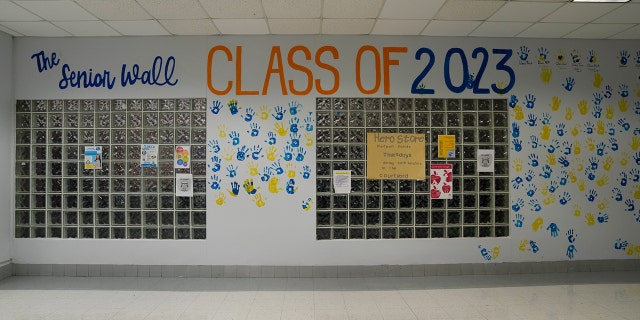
(149,155)
(342,181)
(485,160)
(184,185)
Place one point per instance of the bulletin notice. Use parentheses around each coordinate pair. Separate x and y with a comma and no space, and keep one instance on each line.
(395,156)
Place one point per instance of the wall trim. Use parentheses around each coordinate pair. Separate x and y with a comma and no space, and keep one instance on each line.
(244,271)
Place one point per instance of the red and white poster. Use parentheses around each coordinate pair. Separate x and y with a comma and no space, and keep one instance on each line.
(441,179)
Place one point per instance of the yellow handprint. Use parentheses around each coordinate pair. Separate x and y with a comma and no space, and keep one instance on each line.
(576,130)
(222,130)
(624,159)
(635,143)
(569,114)
(572,177)
(501,85)
(607,163)
(253,168)
(249,187)
(545,133)
(576,147)
(221,199)
(291,170)
(257,198)
(577,210)
(637,193)
(549,200)
(603,204)
(272,153)
(590,144)
(582,107)
(629,251)
(264,112)
(495,253)
(281,129)
(597,80)
(590,219)
(517,164)
(537,224)
(622,105)
(228,153)
(600,125)
(545,74)
(308,139)
(523,245)
(609,113)
(555,103)
(518,114)
(581,185)
(579,164)
(545,190)
(551,159)
(273,185)
(603,181)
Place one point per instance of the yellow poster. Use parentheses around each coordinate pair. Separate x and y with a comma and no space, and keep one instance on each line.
(395,156)
(446,146)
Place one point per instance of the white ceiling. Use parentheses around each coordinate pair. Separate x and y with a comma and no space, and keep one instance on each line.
(475,18)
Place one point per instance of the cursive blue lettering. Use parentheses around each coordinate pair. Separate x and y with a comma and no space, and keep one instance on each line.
(84,79)
(45,63)
(151,76)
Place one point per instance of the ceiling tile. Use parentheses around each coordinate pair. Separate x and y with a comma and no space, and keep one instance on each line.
(499,29)
(9,31)
(121,10)
(410,9)
(190,27)
(632,33)
(627,13)
(242,26)
(294,26)
(12,12)
(296,9)
(524,11)
(399,27)
(236,9)
(175,9)
(580,12)
(549,30)
(57,10)
(354,9)
(468,10)
(598,31)
(450,28)
(138,28)
(347,26)
(87,28)
(36,29)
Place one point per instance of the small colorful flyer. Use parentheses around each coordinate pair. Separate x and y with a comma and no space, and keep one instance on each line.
(184,185)
(182,157)
(93,158)
(446,146)
(441,180)
(149,155)
(485,160)
(342,181)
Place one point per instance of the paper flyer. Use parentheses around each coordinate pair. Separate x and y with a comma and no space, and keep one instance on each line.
(93,157)
(149,155)
(182,157)
(342,181)
(184,185)
(441,180)
(446,146)
(485,160)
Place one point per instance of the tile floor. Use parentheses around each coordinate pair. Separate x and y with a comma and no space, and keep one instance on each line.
(589,295)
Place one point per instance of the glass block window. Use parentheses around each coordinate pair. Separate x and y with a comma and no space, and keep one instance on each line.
(57,198)
(397,209)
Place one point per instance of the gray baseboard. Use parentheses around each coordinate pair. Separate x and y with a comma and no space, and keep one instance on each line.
(6,269)
(238,271)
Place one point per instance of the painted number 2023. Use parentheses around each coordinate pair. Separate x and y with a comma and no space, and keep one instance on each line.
(468,80)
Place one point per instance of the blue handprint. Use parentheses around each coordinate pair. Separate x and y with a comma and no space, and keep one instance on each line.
(215,166)
(534,141)
(295,139)
(624,123)
(515,130)
(249,113)
(546,171)
(597,111)
(294,107)
(594,162)
(535,205)
(600,149)
(566,197)
(553,229)
(533,160)
(241,154)
(560,129)
(255,129)
(256,153)
(485,253)
(517,182)
(608,91)
(279,113)
(637,216)
(588,127)
(288,153)
(635,173)
(277,167)
(518,220)
(623,179)
(529,175)
(532,120)
(523,54)
(235,138)
(517,145)
(531,190)
(530,101)
(235,188)
(517,205)
(591,196)
(620,244)
(215,182)
(613,144)
(603,217)
(611,128)
(213,144)
(624,90)
(575,56)
(571,250)
(266,174)
(308,124)
(470,81)
(638,57)
(271,140)
(543,53)
(637,107)
(590,175)
(563,178)
(232,171)
(306,172)
(597,98)
(571,236)
(216,106)
(553,145)
(546,118)
(513,101)
(636,157)
(631,206)
(592,56)
(301,154)
(624,57)
(233,107)
(534,246)
(617,194)
(553,186)
(291,186)
(568,147)
(569,83)
(293,124)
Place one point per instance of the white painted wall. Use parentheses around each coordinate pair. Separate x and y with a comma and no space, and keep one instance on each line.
(281,233)
(7,144)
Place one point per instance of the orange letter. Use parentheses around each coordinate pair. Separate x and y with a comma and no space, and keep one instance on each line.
(328,67)
(275,53)
(388,62)
(239,75)
(295,66)
(376,55)
(210,65)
